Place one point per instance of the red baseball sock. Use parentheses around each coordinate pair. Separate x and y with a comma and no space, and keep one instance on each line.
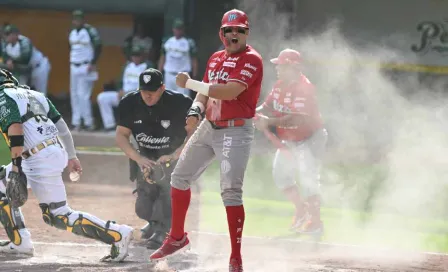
(180,201)
(235,219)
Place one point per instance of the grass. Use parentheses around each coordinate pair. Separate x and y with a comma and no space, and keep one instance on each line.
(268,214)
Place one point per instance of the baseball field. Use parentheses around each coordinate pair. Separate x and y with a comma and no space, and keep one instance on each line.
(354,239)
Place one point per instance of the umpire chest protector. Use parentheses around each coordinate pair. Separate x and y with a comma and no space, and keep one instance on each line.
(159,129)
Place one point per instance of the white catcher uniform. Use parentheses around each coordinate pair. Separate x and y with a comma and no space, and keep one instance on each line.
(178,58)
(25,51)
(85,47)
(44,159)
(108,100)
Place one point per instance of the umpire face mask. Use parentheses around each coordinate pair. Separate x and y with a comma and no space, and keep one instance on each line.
(152,97)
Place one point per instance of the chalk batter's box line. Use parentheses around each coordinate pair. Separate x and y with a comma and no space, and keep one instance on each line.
(68,244)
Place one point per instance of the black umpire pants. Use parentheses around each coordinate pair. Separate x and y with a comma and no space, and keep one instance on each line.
(153,202)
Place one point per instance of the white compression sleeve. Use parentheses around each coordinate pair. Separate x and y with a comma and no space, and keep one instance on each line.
(66,138)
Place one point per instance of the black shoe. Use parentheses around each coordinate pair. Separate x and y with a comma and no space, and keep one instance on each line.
(156,240)
(147,231)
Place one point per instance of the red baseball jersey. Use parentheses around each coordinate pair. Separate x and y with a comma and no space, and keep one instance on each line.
(245,67)
(295,97)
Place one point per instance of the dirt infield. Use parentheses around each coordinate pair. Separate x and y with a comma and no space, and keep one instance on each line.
(106,192)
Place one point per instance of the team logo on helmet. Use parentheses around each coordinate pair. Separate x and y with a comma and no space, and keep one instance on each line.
(232,17)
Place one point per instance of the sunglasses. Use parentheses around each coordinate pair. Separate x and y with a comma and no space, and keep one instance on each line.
(240,30)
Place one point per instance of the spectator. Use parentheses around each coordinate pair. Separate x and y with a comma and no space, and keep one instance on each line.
(178,55)
(108,100)
(85,49)
(139,38)
(22,58)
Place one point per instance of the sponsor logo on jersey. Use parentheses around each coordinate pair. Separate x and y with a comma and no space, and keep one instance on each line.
(250,66)
(217,75)
(212,65)
(246,73)
(143,138)
(233,59)
(4,112)
(280,108)
(229,64)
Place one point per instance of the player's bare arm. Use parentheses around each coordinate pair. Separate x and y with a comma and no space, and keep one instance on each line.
(15,134)
(228,91)
(122,136)
(161,63)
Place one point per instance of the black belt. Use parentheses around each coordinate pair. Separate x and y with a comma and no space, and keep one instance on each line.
(79,64)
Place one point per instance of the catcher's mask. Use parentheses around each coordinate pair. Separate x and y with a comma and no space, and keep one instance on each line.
(6,78)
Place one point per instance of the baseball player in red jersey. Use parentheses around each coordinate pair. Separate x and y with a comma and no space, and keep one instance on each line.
(291,108)
(230,90)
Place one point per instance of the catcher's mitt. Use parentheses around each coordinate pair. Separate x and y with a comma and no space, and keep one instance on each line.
(16,189)
(159,173)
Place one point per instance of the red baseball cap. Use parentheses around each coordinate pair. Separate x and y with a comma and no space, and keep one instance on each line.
(235,18)
(287,56)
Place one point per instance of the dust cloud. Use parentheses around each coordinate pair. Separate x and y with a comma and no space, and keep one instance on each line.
(388,142)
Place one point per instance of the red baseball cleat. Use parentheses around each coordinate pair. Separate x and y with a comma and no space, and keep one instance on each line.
(235,265)
(170,247)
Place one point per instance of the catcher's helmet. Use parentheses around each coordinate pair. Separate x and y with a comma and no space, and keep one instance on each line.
(287,56)
(235,18)
(6,77)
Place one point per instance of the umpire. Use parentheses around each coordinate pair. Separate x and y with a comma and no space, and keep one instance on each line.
(156,119)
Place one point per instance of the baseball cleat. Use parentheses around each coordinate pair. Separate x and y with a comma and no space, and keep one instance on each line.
(298,221)
(170,247)
(10,248)
(235,265)
(311,228)
(119,250)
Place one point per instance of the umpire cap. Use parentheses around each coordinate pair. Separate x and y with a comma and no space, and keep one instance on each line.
(150,80)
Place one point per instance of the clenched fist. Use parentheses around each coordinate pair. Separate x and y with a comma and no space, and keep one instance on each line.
(181,79)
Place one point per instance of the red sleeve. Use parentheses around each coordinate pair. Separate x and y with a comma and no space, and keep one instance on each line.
(268,101)
(205,79)
(247,70)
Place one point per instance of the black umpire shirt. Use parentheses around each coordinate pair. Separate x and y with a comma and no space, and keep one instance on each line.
(159,129)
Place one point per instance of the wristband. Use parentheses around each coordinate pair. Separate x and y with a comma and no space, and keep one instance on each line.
(198,104)
(198,86)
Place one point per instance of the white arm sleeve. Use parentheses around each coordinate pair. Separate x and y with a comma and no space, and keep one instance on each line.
(66,138)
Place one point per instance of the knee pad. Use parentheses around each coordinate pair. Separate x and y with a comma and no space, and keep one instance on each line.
(232,197)
(11,220)
(82,226)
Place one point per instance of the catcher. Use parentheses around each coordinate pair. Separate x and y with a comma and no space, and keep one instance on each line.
(291,108)
(34,130)
(155,117)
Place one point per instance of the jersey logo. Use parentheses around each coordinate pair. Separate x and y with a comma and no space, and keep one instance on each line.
(165,123)
(146,78)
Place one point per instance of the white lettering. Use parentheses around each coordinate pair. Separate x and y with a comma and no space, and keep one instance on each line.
(226,146)
(250,66)
(246,73)
(281,108)
(213,64)
(233,59)
(229,64)
(216,76)
(145,139)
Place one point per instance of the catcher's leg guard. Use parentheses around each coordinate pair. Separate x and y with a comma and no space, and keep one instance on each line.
(12,220)
(79,223)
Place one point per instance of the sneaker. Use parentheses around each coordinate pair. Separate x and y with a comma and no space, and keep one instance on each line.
(235,265)
(10,248)
(170,247)
(147,231)
(311,227)
(298,221)
(156,240)
(119,250)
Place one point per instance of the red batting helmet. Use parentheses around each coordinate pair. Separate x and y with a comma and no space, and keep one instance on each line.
(235,18)
(287,56)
